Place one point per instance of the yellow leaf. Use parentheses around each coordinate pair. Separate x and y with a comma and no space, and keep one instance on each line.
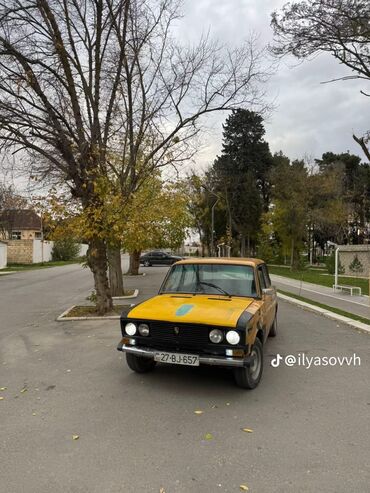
(75,437)
(3,388)
(247,430)
(161,490)
(198,411)
(208,436)
(23,390)
(1,398)
(244,487)
(33,414)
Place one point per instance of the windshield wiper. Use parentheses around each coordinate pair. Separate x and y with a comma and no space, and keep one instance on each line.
(216,287)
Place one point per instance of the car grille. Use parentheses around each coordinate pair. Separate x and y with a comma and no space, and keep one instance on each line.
(178,335)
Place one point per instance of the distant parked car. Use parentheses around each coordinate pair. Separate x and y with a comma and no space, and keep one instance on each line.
(158,258)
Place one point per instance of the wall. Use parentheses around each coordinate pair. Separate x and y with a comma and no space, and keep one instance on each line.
(83,249)
(3,255)
(347,254)
(42,251)
(20,251)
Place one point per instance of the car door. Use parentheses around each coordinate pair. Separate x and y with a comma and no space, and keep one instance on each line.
(269,296)
(154,259)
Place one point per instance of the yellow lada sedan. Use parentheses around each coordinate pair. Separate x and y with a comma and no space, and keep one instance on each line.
(207,312)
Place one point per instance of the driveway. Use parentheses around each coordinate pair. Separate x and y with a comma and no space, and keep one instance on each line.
(139,433)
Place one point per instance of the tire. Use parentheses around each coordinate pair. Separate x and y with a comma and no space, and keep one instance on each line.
(147,263)
(273,330)
(139,364)
(249,377)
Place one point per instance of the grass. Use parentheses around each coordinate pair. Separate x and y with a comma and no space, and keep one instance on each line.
(41,265)
(320,277)
(90,311)
(327,307)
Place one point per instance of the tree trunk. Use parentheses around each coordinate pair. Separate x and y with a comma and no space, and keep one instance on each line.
(292,254)
(115,272)
(97,261)
(133,269)
(242,246)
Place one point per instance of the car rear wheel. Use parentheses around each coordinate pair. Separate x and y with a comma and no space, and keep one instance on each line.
(249,377)
(139,364)
(147,263)
(273,330)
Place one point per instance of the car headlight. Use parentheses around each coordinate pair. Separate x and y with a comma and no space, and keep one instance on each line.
(130,329)
(144,330)
(232,337)
(216,336)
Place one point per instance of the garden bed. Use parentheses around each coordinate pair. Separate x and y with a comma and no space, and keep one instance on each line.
(88,312)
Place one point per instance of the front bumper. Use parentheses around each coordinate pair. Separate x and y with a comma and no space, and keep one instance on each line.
(203,359)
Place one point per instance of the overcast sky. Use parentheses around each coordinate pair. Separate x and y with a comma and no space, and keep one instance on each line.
(310,118)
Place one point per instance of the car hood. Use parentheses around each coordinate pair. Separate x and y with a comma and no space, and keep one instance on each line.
(198,309)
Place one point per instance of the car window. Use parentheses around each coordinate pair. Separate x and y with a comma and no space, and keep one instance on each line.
(266,275)
(261,278)
(237,280)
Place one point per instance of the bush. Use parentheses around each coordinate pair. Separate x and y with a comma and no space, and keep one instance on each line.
(66,249)
(330,264)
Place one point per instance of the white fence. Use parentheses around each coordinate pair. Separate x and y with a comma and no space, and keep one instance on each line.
(3,255)
(42,251)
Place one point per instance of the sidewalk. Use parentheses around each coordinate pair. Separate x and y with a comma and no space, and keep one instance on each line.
(358,305)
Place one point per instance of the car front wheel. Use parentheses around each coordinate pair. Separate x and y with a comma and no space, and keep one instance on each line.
(147,263)
(139,364)
(249,377)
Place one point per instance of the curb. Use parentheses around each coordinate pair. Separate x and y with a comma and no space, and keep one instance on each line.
(134,295)
(326,313)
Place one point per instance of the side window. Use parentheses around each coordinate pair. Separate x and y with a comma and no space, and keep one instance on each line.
(261,278)
(16,235)
(266,276)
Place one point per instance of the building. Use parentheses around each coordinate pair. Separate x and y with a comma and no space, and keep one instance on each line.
(20,224)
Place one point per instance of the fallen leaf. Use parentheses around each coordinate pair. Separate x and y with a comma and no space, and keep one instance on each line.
(244,487)
(3,388)
(75,437)
(228,403)
(208,436)
(198,411)
(247,430)
(23,390)
(214,406)
(33,414)
(68,371)
(161,490)
(1,398)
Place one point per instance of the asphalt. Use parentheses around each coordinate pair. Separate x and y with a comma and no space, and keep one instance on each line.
(139,433)
(358,305)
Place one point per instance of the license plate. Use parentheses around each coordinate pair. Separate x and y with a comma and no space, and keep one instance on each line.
(177,359)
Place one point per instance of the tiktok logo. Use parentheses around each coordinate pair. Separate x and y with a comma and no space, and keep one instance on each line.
(276,361)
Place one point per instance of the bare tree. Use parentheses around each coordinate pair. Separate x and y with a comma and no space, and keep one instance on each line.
(338,27)
(93,88)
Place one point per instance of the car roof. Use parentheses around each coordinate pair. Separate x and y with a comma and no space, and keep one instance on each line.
(222,261)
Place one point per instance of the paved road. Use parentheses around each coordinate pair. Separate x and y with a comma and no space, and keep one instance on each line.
(139,433)
(358,305)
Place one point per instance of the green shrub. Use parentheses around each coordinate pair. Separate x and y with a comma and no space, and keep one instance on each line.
(66,249)
(330,264)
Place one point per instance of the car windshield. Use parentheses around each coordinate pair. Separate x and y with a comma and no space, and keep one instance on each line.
(221,279)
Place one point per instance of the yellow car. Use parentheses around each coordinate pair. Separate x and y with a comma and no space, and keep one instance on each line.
(207,312)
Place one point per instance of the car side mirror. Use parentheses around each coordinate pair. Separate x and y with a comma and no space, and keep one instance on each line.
(268,291)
